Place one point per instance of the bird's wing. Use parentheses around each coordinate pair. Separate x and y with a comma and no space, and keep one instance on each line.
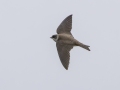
(65,26)
(64,53)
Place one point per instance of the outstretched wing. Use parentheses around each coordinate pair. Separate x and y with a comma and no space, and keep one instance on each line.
(65,26)
(64,53)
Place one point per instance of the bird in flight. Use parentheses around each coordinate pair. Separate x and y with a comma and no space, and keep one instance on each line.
(65,41)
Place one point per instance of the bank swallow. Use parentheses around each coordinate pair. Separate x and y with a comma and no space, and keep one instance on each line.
(65,41)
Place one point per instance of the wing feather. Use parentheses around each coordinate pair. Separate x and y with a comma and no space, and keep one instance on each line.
(64,53)
(65,26)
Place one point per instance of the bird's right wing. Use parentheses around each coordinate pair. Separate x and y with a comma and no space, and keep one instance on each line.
(64,53)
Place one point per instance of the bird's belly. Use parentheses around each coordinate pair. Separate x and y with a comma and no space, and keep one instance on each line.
(69,42)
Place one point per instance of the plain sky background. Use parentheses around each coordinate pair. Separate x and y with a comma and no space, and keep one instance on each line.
(29,59)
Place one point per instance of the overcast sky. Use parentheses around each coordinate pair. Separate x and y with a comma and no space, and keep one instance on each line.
(29,59)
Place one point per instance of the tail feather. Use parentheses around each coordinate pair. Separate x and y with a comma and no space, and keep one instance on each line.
(84,46)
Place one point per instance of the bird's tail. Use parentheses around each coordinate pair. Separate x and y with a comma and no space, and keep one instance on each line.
(84,46)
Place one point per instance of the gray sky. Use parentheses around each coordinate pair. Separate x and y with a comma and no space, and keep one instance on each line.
(29,59)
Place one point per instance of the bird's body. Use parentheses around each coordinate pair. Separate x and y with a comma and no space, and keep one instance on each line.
(65,41)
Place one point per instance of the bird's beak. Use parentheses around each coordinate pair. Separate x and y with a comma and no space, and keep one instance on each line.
(51,37)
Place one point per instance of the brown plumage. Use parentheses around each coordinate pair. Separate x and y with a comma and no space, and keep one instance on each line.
(65,41)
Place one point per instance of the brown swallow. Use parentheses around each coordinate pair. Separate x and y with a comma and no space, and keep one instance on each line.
(65,41)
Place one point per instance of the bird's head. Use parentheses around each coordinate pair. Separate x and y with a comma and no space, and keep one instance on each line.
(54,37)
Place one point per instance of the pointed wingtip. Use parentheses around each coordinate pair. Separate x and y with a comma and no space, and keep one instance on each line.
(66,68)
(70,15)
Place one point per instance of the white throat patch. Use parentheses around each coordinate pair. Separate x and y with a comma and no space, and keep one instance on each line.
(56,38)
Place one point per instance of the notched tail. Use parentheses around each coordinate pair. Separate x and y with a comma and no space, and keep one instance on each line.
(84,46)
